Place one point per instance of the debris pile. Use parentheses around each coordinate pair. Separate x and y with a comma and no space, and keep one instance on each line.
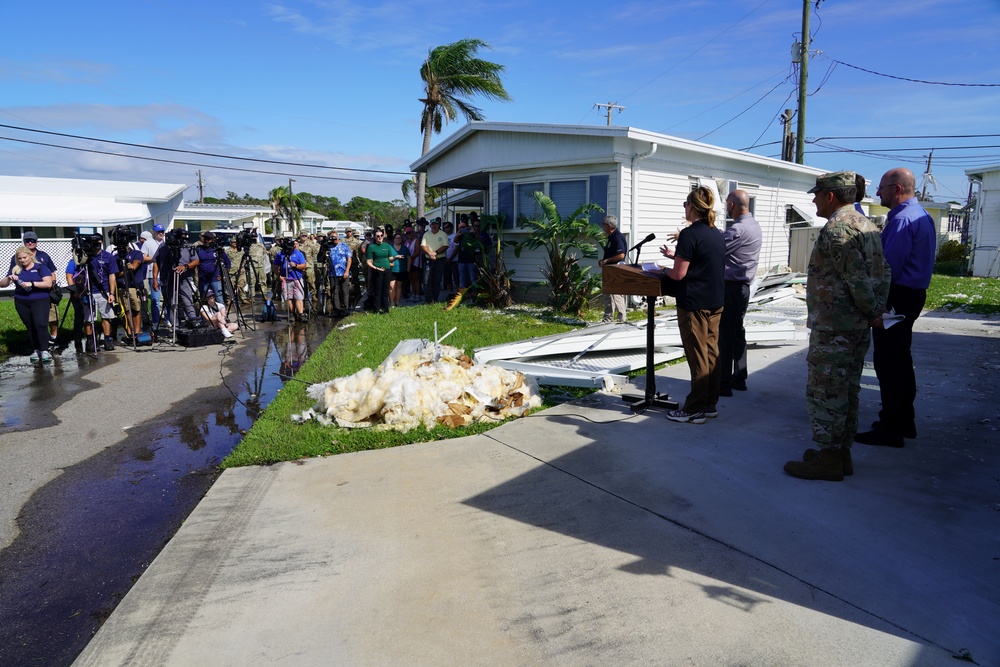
(422,383)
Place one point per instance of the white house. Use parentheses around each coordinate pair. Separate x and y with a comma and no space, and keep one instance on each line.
(642,177)
(197,217)
(984,223)
(58,208)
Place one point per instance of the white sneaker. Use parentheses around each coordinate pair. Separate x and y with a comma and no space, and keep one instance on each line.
(34,356)
(46,357)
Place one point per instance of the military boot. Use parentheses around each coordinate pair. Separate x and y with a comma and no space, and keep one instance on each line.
(845,455)
(826,465)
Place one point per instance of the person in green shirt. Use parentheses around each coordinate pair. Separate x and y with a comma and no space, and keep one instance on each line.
(379,258)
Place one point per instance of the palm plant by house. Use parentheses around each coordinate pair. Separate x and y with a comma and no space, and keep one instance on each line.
(565,241)
(286,206)
(452,74)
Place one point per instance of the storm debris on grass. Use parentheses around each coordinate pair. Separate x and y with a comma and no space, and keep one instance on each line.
(422,383)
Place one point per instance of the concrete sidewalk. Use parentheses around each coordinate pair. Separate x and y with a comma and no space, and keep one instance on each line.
(587,536)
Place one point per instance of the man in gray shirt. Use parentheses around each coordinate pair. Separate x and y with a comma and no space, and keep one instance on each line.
(743,240)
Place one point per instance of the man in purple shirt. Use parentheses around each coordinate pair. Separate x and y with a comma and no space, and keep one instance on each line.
(910,242)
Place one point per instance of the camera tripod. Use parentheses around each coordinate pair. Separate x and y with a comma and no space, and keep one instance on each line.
(229,291)
(251,280)
(127,285)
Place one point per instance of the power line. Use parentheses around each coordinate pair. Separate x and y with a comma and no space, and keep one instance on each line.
(930,83)
(203,154)
(759,100)
(194,164)
(901,150)
(727,101)
(912,136)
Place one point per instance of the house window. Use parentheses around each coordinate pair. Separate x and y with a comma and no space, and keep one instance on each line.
(516,201)
(527,207)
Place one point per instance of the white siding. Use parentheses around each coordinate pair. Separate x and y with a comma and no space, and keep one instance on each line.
(985,258)
(664,185)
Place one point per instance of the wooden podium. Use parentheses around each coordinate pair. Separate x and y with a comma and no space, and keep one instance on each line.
(633,281)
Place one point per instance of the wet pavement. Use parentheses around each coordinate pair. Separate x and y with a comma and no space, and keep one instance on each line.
(86,536)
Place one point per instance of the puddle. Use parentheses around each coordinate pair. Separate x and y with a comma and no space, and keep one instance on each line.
(87,536)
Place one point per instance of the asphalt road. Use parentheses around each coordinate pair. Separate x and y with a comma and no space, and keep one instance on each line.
(104,459)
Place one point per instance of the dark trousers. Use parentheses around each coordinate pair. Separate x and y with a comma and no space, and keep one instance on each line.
(893,361)
(435,276)
(35,315)
(378,292)
(341,286)
(733,337)
(700,336)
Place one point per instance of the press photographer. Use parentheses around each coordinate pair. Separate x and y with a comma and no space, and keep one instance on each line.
(290,264)
(173,272)
(131,274)
(92,290)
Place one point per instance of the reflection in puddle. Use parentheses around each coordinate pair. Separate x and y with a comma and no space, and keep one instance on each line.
(86,537)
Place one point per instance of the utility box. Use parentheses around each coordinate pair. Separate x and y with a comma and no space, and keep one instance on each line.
(800,244)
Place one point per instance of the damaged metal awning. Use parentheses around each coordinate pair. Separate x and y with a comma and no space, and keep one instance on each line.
(599,355)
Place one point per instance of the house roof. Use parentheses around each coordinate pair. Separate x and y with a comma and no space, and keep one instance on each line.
(477,176)
(56,202)
(979,171)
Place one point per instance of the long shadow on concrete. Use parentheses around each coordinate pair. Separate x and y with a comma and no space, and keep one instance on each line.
(910,545)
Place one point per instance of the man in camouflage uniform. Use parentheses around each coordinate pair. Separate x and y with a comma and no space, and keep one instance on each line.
(235,257)
(846,291)
(272,280)
(261,267)
(309,248)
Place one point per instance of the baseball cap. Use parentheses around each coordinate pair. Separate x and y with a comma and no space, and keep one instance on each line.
(157,228)
(146,235)
(209,293)
(29,236)
(836,179)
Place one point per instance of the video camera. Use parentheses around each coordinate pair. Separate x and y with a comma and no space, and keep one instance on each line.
(324,249)
(287,245)
(176,237)
(85,247)
(245,239)
(121,236)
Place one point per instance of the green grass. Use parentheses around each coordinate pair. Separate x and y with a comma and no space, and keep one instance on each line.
(14,337)
(978,296)
(274,437)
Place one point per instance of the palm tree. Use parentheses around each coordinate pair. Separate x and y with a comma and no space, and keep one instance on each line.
(287,207)
(452,73)
(431,197)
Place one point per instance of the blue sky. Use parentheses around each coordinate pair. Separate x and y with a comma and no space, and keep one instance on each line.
(337,82)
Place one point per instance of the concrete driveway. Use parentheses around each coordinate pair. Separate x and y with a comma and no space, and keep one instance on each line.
(584,535)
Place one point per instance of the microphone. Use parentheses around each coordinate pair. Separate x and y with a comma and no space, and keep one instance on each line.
(640,243)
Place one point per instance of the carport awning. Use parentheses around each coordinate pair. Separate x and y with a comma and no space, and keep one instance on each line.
(70,211)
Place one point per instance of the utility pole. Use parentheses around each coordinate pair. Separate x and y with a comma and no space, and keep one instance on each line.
(787,137)
(927,177)
(291,207)
(800,139)
(201,189)
(609,107)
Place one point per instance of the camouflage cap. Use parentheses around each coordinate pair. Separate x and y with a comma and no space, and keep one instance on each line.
(836,179)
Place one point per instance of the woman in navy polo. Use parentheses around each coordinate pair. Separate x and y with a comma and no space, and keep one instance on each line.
(31,300)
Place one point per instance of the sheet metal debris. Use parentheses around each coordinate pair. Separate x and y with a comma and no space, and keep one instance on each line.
(591,357)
